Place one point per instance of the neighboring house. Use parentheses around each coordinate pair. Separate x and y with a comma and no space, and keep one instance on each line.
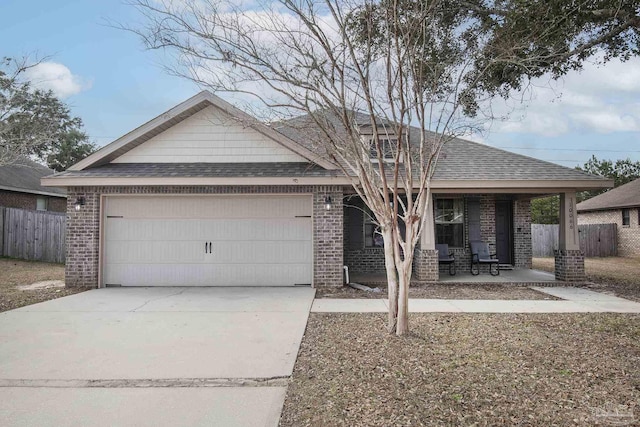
(204,194)
(20,188)
(619,206)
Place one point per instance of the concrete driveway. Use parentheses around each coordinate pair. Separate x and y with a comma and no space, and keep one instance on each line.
(152,356)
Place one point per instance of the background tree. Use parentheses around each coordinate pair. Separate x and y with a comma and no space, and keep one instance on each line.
(33,122)
(545,210)
(415,73)
(622,172)
(72,147)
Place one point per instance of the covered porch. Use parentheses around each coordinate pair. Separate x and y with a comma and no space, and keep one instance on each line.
(501,219)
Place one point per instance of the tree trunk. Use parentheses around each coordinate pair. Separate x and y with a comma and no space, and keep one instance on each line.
(392,279)
(404,277)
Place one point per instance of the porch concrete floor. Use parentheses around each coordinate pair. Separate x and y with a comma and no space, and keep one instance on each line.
(506,276)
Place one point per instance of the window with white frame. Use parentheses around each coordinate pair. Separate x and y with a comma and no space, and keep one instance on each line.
(41,204)
(449,219)
(388,146)
(626,218)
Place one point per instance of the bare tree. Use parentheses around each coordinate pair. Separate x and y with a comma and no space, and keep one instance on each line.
(396,79)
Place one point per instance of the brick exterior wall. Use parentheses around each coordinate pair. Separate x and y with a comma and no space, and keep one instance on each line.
(488,221)
(425,265)
(522,249)
(14,199)
(569,265)
(83,227)
(628,236)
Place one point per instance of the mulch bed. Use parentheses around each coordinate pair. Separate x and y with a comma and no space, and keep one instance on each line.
(14,273)
(484,291)
(466,370)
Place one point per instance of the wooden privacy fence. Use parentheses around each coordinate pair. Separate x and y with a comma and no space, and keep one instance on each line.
(596,240)
(32,235)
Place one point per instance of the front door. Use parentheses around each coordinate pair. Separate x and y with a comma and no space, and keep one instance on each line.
(504,231)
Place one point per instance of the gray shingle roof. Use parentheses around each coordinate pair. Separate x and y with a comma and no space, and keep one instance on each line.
(625,196)
(199,170)
(24,176)
(464,160)
(460,159)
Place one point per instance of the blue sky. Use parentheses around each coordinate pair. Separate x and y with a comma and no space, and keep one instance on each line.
(114,85)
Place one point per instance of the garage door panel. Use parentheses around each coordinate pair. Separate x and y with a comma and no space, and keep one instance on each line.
(209,207)
(132,252)
(261,252)
(208,275)
(255,240)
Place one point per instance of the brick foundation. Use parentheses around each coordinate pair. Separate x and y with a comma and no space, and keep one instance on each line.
(425,265)
(83,227)
(569,265)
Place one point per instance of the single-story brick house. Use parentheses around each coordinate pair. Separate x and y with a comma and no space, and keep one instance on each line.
(619,206)
(20,187)
(204,194)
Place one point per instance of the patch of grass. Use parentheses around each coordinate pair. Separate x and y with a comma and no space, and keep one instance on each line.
(16,272)
(465,369)
(615,275)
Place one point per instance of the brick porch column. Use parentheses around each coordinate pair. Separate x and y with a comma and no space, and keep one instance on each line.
(82,239)
(328,230)
(425,261)
(569,259)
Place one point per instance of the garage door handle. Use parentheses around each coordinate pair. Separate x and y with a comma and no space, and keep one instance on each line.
(210,248)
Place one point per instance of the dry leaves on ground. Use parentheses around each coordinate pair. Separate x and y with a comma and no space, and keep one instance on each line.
(14,273)
(483,291)
(465,369)
(613,275)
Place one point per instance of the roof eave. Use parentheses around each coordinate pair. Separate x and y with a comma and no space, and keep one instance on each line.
(609,208)
(29,191)
(468,186)
(84,181)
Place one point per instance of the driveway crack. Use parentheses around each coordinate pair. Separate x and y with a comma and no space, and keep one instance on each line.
(157,299)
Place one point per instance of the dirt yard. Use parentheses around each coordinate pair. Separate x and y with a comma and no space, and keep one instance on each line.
(491,291)
(615,275)
(467,370)
(15,273)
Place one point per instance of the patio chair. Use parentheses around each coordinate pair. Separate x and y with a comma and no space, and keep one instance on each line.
(446,257)
(480,255)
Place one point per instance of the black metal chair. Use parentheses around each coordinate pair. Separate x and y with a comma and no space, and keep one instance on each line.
(446,257)
(480,254)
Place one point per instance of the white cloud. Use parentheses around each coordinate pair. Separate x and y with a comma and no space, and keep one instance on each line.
(600,99)
(606,121)
(58,78)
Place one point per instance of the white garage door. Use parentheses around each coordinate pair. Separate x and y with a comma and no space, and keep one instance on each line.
(207,241)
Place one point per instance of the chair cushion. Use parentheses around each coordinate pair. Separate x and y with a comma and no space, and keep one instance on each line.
(443,253)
